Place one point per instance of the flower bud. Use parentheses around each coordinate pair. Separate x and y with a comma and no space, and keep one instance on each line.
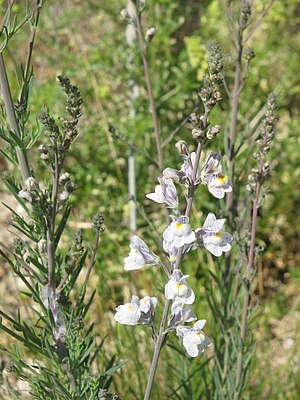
(64,178)
(44,156)
(198,134)
(212,133)
(182,148)
(124,14)
(24,194)
(63,196)
(31,184)
(150,34)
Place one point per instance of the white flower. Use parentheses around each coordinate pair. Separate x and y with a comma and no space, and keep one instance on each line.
(212,237)
(218,183)
(139,255)
(194,339)
(178,290)
(179,232)
(137,311)
(129,313)
(165,192)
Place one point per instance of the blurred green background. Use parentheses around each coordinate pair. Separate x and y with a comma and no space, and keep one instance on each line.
(86,41)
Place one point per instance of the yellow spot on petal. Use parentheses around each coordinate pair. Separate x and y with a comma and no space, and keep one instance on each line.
(218,235)
(129,307)
(179,285)
(178,225)
(223,179)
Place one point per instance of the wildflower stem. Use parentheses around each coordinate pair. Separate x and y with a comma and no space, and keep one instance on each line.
(248,276)
(12,119)
(235,105)
(51,224)
(150,91)
(92,261)
(162,336)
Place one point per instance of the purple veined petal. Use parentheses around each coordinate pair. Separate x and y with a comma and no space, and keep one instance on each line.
(213,249)
(218,193)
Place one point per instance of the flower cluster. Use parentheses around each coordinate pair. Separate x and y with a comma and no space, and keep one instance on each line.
(178,239)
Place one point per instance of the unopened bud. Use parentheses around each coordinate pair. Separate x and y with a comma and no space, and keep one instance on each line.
(194,118)
(64,178)
(24,194)
(212,133)
(31,184)
(182,148)
(218,96)
(44,156)
(198,134)
(150,34)
(124,14)
(63,196)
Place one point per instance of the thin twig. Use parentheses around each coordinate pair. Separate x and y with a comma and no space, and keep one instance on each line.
(8,9)
(248,275)
(259,21)
(92,261)
(150,91)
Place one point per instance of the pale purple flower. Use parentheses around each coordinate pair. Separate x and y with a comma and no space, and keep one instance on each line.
(139,255)
(194,339)
(179,232)
(212,237)
(129,313)
(165,192)
(218,183)
(178,290)
(137,311)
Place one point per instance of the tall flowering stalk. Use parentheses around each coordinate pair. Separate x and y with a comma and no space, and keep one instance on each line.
(179,238)
(256,180)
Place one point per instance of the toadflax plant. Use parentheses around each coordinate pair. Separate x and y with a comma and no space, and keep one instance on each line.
(179,236)
(66,357)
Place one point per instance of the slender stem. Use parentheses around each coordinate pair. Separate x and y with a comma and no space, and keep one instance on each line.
(259,21)
(234,106)
(92,261)
(51,225)
(150,92)
(12,119)
(162,336)
(248,275)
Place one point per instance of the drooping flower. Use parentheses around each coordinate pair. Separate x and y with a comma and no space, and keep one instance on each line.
(137,311)
(165,192)
(179,232)
(178,290)
(129,313)
(139,255)
(218,183)
(212,237)
(194,339)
